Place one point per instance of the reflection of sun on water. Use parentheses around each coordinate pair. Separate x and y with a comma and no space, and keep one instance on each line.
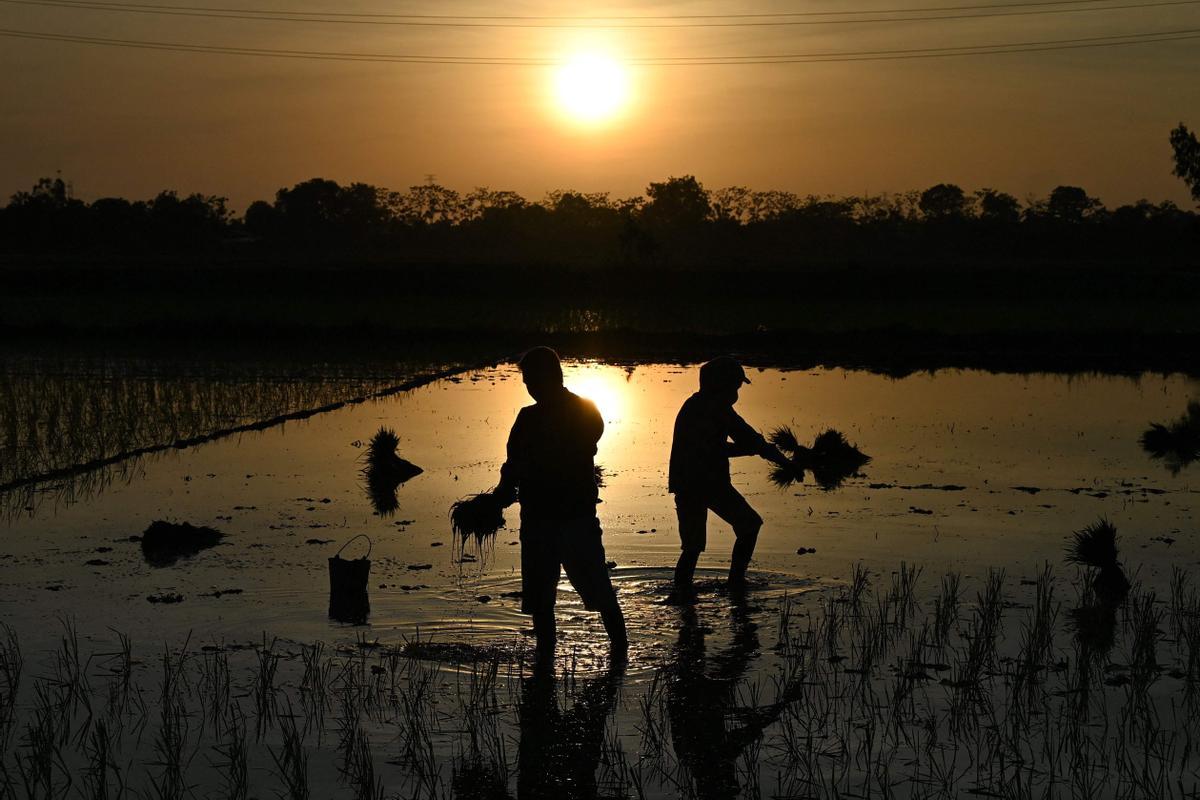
(606,389)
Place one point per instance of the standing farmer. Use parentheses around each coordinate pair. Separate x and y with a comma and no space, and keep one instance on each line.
(551,471)
(699,473)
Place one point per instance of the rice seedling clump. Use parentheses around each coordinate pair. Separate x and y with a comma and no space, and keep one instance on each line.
(1177,444)
(164,543)
(831,459)
(479,516)
(386,470)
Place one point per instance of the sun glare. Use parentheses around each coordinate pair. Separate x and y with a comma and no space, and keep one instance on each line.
(605,390)
(591,88)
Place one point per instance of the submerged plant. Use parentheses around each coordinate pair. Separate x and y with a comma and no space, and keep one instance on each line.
(831,459)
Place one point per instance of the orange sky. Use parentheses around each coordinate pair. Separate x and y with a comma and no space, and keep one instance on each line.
(130,122)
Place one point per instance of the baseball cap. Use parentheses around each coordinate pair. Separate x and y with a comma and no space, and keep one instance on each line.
(723,371)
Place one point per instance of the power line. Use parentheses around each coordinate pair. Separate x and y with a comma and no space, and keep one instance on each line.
(560,18)
(932,14)
(1150,37)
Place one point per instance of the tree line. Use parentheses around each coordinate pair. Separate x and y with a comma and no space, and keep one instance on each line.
(677,222)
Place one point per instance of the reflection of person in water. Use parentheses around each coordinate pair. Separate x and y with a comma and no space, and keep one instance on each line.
(701,699)
(551,470)
(699,473)
(560,750)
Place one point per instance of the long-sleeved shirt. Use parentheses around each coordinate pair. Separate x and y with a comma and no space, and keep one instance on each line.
(551,451)
(701,448)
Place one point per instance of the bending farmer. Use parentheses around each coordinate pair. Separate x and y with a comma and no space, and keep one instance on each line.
(699,476)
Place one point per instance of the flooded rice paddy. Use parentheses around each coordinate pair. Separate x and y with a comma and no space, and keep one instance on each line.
(915,632)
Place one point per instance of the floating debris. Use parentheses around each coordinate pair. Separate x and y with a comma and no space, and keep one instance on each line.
(831,459)
(164,543)
(219,593)
(167,598)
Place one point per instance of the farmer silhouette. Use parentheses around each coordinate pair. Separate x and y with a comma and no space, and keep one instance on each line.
(699,472)
(551,471)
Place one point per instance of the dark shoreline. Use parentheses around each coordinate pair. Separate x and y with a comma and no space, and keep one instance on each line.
(892,351)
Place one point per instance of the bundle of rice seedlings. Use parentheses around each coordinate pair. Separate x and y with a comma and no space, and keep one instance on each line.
(831,459)
(164,543)
(383,462)
(385,471)
(479,516)
(1096,546)
(1177,443)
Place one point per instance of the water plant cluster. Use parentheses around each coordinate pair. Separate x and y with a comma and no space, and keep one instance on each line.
(887,685)
(79,426)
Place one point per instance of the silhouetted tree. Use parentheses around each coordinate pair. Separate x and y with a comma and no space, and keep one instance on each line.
(190,221)
(998,207)
(260,219)
(427,204)
(1187,158)
(114,222)
(46,216)
(1072,205)
(944,201)
(676,221)
(321,213)
(733,204)
(677,203)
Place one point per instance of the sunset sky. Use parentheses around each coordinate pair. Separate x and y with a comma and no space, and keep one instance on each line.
(131,121)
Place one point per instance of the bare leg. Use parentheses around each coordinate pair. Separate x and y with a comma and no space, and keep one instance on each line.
(614,626)
(743,551)
(685,569)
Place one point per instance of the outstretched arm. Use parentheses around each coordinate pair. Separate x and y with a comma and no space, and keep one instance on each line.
(749,442)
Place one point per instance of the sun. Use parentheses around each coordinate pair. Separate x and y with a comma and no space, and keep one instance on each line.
(591,88)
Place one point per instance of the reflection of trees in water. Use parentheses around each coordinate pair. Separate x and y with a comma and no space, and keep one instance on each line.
(58,414)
